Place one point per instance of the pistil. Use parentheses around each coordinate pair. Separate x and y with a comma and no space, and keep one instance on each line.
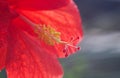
(51,36)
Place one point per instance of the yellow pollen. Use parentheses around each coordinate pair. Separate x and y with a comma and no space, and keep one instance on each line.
(48,34)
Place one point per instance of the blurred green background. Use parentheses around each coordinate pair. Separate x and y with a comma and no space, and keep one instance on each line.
(100,49)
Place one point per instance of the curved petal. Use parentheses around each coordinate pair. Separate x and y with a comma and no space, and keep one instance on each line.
(26,58)
(65,20)
(37,4)
(3,45)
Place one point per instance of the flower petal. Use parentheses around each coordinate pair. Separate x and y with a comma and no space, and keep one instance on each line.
(3,45)
(65,20)
(26,58)
(38,4)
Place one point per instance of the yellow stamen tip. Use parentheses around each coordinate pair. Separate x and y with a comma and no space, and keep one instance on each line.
(48,34)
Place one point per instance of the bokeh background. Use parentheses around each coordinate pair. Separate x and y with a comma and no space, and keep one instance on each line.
(100,49)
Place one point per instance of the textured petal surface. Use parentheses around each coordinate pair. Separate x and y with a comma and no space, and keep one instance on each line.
(5,18)
(3,44)
(38,4)
(27,59)
(65,20)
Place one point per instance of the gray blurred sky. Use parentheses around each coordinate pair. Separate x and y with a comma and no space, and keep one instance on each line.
(101,24)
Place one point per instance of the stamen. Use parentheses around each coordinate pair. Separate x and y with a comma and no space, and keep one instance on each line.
(51,36)
(69,45)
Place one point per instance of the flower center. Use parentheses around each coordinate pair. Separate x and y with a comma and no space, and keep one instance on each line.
(48,34)
(51,36)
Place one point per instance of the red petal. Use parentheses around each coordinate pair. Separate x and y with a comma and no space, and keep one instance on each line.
(66,20)
(38,4)
(3,45)
(26,58)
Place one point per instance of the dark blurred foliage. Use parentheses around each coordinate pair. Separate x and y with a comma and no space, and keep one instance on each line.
(92,65)
(3,74)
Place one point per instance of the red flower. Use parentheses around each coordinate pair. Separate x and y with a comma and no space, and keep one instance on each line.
(33,33)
